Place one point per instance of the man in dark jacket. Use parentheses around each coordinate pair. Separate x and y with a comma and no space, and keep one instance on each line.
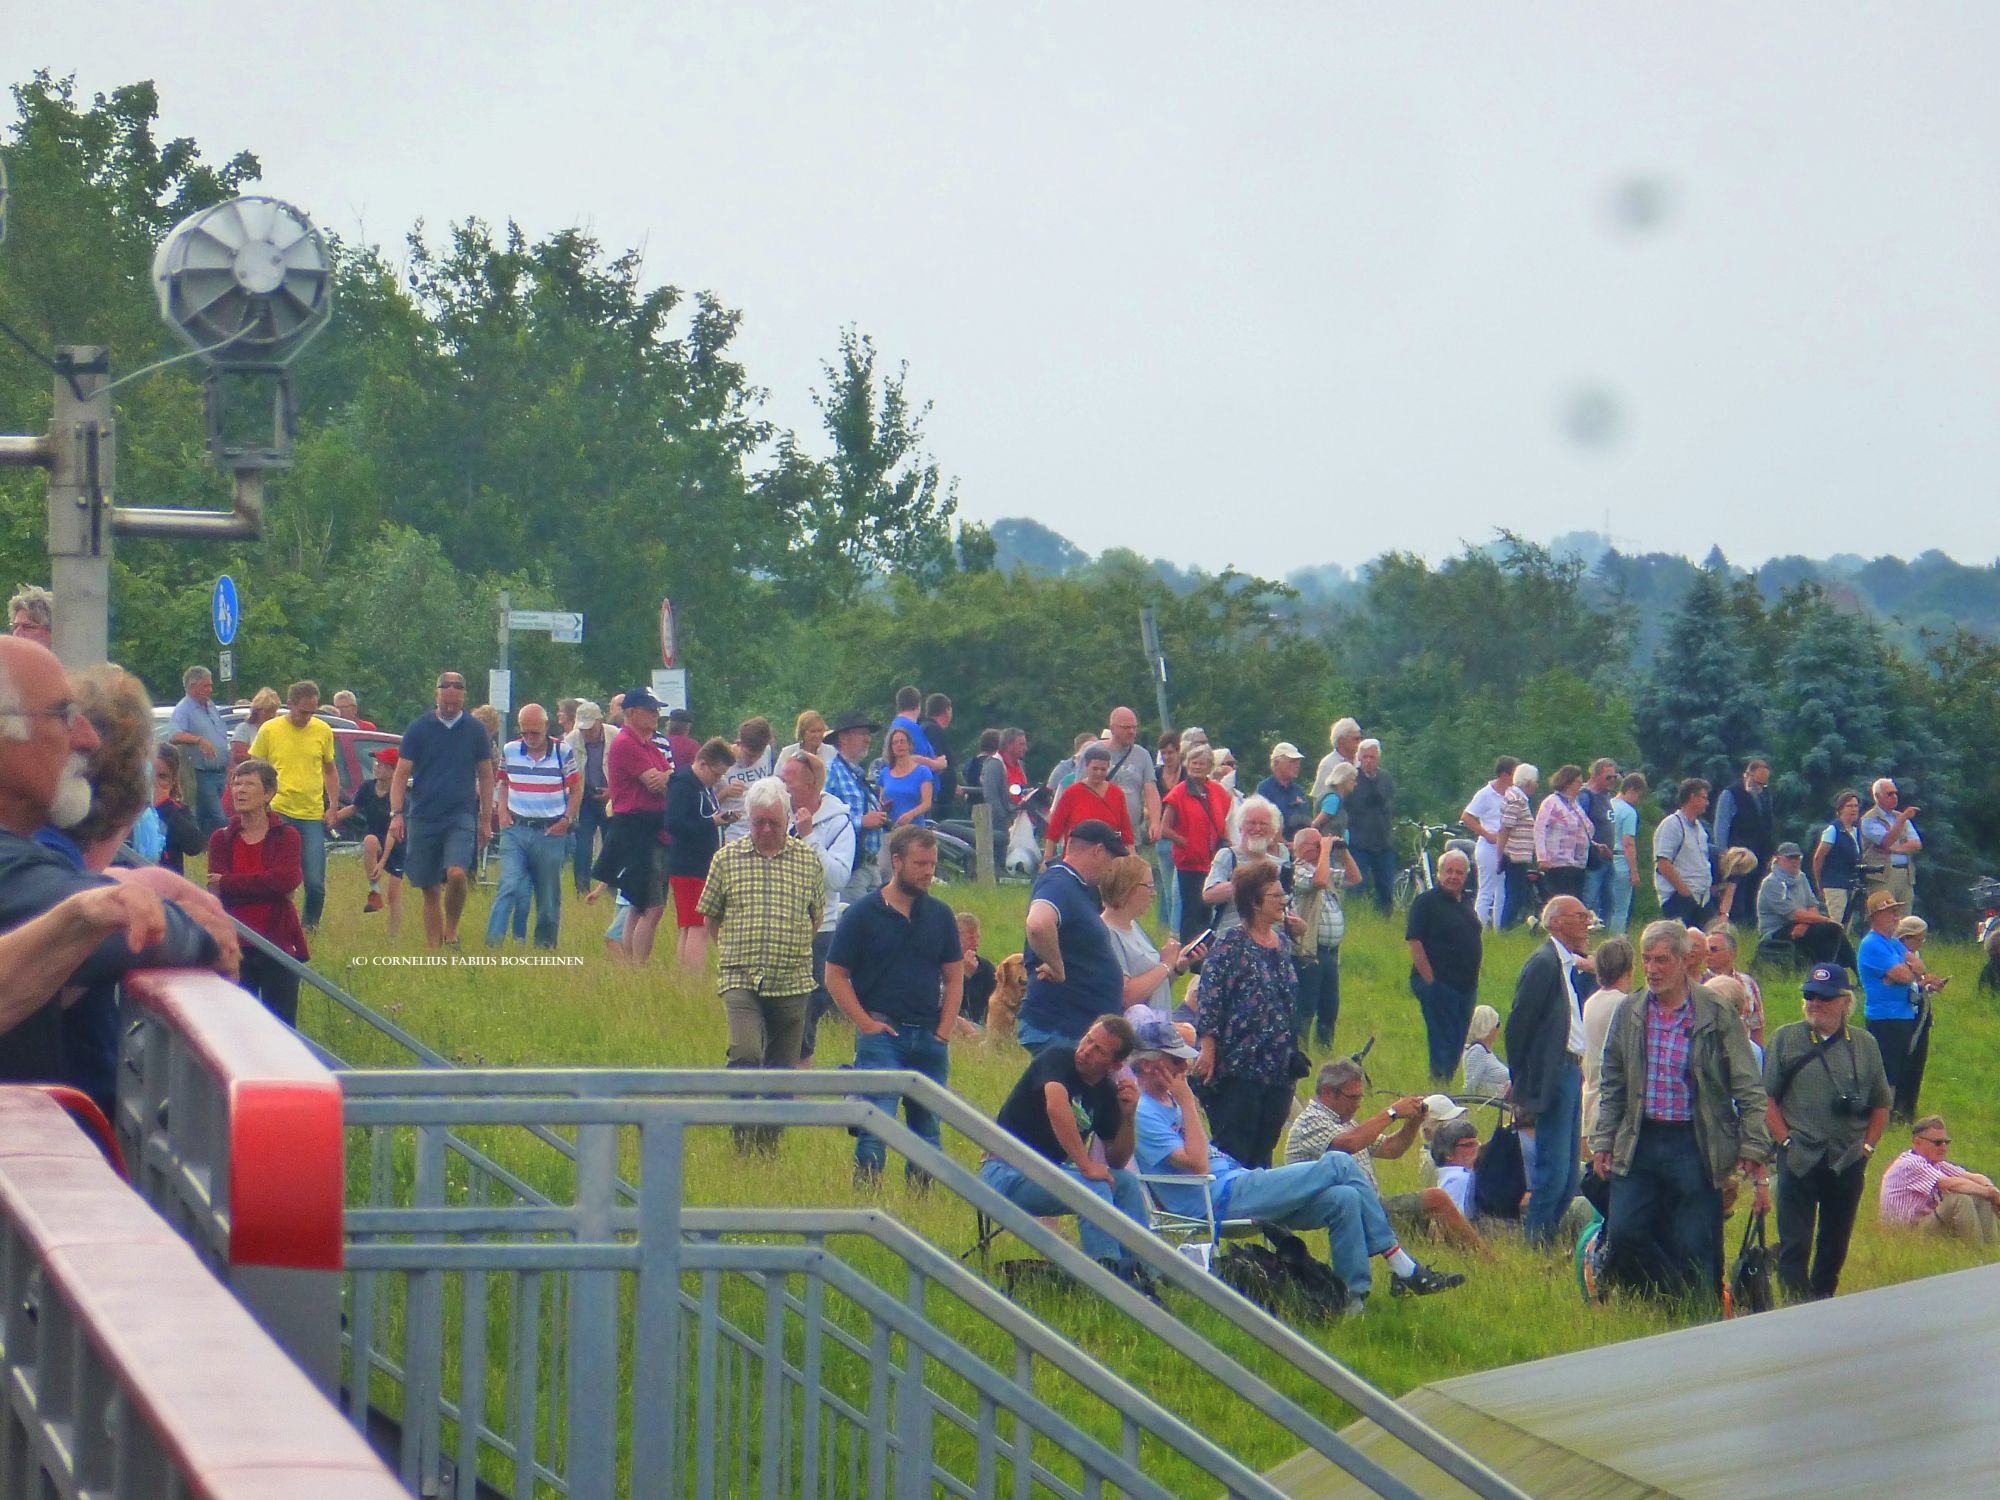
(43,741)
(1545,1043)
(1371,823)
(1743,819)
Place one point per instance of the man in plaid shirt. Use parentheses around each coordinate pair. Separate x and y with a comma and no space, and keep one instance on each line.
(848,780)
(763,902)
(1680,1108)
(1924,1188)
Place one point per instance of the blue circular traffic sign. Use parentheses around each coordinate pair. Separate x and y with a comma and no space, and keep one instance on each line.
(222,610)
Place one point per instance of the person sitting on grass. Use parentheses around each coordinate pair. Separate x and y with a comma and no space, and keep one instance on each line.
(1486,1077)
(980,977)
(1925,1189)
(1328,1123)
(1455,1149)
(1329,1192)
(1069,1095)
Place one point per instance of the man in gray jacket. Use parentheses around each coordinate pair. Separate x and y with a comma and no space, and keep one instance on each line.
(1680,1108)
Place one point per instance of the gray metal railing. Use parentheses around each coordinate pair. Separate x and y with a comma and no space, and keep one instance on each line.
(559,1335)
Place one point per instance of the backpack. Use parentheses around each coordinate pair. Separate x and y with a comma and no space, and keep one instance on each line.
(1500,1176)
(1750,1277)
(1285,1279)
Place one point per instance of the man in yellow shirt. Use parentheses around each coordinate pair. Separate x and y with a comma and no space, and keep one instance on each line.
(300,748)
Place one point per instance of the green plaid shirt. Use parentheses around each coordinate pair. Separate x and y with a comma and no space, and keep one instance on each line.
(769,906)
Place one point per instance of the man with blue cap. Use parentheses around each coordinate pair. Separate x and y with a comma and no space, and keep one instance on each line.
(1827,1100)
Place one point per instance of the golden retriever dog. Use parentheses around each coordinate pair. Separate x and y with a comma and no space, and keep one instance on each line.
(1004,1009)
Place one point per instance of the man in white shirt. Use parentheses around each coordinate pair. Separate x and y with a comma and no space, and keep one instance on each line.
(1482,820)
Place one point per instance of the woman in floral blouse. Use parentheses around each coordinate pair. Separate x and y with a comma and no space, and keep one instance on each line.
(1248,993)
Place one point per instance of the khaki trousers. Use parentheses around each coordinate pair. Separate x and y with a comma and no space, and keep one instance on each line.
(1963,1217)
(765,1031)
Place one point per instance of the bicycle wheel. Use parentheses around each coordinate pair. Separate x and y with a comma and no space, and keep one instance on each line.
(1406,888)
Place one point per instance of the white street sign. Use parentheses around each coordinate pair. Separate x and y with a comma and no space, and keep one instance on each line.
(500,689)
(562,623)
(670,686)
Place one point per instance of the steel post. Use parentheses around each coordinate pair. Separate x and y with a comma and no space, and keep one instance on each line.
(82,479)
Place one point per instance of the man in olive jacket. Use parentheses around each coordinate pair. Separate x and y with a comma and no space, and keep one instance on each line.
(1680,1107)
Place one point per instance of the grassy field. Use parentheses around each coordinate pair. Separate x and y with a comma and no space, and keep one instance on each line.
(1517,1307)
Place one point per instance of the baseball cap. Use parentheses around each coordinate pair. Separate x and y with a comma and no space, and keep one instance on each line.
(588,715)
(1097,831)
(1286,750)
(1788,851)
(388,755)
(1828,981)
(1441,1107)
(1158,1034)
(641,698)
(1882,901)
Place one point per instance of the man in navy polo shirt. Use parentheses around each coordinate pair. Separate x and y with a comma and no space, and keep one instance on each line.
(1076,977)
(442,820)
(896,970)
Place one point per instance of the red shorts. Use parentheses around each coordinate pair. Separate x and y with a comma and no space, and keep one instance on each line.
(687,894)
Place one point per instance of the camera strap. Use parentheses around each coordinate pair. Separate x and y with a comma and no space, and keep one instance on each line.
(1819,1050)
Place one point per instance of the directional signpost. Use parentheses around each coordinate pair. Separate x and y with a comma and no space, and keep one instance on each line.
(225,615)
(564,626)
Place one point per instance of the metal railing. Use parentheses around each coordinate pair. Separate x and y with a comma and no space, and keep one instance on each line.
(558,1336)
(232,1131)
(126,1371)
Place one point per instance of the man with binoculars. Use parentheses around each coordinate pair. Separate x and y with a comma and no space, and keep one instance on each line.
(1827,1099)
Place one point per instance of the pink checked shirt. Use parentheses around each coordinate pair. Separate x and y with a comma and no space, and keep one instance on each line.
(1669,1039)
(1910,1187)
(1562,833)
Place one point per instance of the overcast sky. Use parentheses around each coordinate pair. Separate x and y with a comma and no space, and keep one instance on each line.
(1227,283)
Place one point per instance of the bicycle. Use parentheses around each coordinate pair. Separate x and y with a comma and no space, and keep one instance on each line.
(1420,874)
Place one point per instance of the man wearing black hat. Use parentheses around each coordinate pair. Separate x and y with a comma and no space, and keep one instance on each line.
(847,779)
(1827,1100)
(1076,976)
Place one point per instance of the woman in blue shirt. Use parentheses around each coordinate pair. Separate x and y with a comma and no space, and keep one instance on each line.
(1837,857)
(907,788)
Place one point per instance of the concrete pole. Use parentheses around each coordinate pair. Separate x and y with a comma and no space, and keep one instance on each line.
(82,481)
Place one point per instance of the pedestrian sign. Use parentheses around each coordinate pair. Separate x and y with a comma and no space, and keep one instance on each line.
(223,613)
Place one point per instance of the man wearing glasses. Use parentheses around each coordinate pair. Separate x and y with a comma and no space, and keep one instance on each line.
(1924,1189)
(442,820)
(1827,1101)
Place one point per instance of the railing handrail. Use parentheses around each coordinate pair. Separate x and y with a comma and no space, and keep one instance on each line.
(285,1181)
(226,1406)
(612,1096)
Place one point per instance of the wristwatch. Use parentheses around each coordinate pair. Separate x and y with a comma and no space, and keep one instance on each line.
(1392,1113)
(1867,1148)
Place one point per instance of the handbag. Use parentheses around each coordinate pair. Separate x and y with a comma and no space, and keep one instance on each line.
(1750,1278)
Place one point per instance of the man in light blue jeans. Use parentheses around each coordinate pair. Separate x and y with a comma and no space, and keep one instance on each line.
(539,793)
(1067,1096)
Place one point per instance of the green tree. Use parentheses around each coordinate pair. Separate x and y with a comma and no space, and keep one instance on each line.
(1700,710)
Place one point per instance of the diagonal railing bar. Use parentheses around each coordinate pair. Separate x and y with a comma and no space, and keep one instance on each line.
(585,1097)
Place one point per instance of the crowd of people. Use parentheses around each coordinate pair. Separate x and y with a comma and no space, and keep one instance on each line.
(1637,1082)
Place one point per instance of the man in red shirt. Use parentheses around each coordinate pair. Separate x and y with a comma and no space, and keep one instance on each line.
(1091,797)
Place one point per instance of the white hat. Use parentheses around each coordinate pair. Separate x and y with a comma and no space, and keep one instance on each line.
(1286,750)
(1441,1107)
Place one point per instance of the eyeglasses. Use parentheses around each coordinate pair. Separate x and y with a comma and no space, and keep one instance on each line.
(67,710)
(453,682)
(1935,1140)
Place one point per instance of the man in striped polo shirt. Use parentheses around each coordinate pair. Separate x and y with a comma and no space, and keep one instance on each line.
(539,792)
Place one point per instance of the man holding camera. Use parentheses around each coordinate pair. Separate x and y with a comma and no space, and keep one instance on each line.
(1827,1099)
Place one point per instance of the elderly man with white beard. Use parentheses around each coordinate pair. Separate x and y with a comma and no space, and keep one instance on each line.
(63,932)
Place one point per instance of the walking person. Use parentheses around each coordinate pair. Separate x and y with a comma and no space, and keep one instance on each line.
(762,902)
(299,746)
(538,799)
(1828,1101)
(197,727)
(253,868)
(586,744)
(441,817)
(896,970)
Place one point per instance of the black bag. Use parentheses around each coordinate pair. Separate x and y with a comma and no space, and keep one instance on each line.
(1500,1176)
(1750,1277)
(1284,1280)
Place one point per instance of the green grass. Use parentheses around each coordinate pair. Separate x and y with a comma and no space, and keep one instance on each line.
(1518,1307)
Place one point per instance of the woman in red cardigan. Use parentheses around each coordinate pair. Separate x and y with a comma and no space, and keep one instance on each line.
(254,866)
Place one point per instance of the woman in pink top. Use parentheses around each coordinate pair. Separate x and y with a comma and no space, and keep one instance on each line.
(1562,836)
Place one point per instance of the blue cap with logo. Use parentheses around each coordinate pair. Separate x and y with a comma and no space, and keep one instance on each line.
(1827,982)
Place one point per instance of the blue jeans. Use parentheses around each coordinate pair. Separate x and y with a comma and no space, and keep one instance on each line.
(918,1049)
(312,855)
(1166,889)
(208,813)
(1597,891)
(592,817)
(1331,1193)
(1447,1018)
(1121,1192)
(1034,1038)
(1558,1155)
(1620,916)
(1664,1231)
(1318,1006)
(531,867)
(1378,875)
